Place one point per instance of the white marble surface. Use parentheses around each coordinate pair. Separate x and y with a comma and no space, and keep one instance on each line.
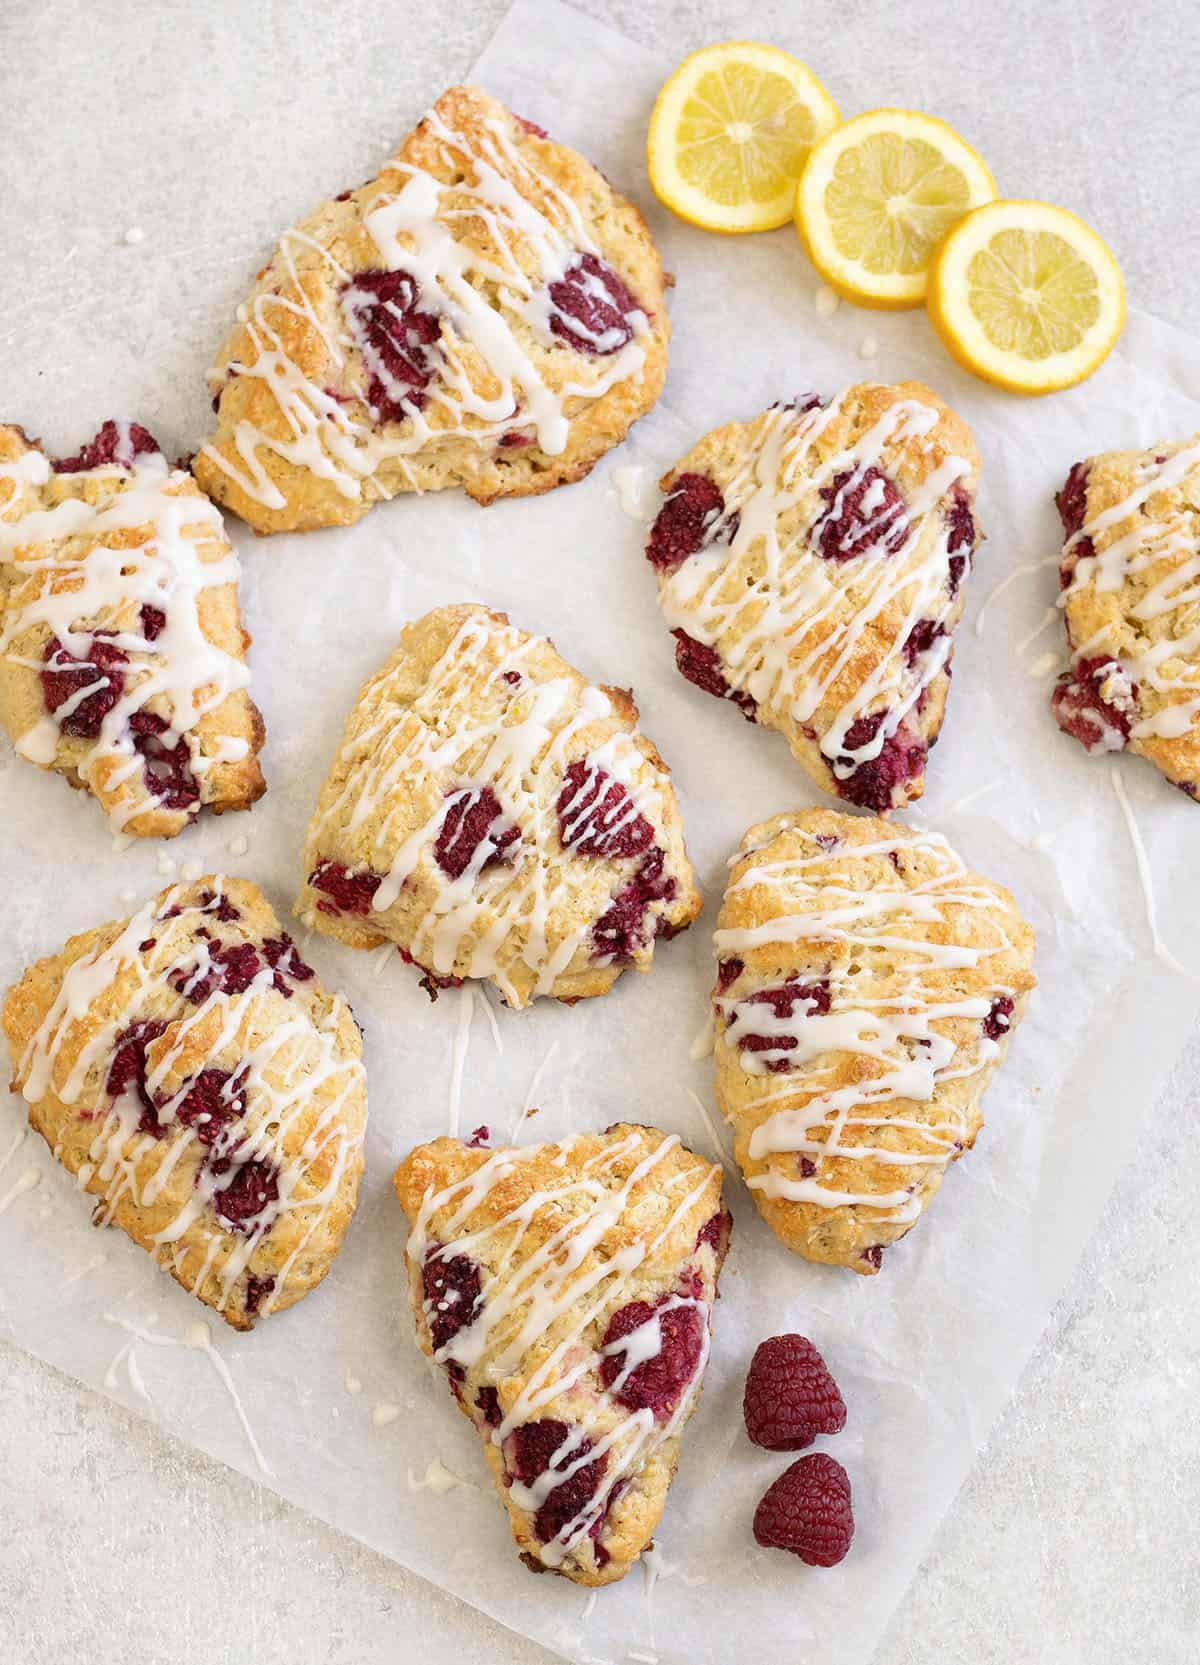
(1075,1538)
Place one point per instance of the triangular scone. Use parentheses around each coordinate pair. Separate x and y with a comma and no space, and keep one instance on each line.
(810,564)
(191,1072)
(867,984)
(567,1290)
(486,313)
(1129,589)
(122,653)
(496,816)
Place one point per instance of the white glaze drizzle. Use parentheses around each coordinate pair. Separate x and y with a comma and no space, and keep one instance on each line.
(413,229)
(795,598)
(63,578)
(531,1291)
(905,1054)
(1145,878)
(1168,664)
(469,727)
(277,1078)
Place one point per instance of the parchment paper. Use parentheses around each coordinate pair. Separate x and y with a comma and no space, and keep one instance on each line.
(927,1352)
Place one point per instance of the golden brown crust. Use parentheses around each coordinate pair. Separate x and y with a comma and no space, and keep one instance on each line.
(468,704)
(635,1218)
(828,586)
(867,985)
(58,536)
(296,318)
(1129,567)
(191,1072)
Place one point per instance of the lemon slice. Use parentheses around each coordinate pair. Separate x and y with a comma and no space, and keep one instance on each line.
(876,198)
(1027,296)
(730,134)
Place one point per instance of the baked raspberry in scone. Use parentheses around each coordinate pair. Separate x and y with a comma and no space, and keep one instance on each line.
(189,1069)
(567,1290)
(811,564)
(1129,572)
(122,653)
(867,984)
(486,313)
(496,816)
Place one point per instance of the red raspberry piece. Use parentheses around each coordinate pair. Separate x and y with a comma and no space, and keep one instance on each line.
(701,665)
(1082,711)
(657,1383)
(813,1000)
(1071,501)
(471,820)
(592,307)
(213,1100)
(65,676)
(350,892)
(621,929)
(808,1511)
(866,516)
(487,1403)
(596,816)
(128,1070)
(715,1232)
(685,522)
(877,782)
(920,639)
(790,1396)
(453,1291)
(396,339)
(728,972)
(253,1188)
(996,1023)
(168,769)
(961,537)
(529,1450)
(114,443)
(257,1291)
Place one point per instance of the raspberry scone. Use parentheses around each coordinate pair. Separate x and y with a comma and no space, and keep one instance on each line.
(867,984)
(189,1069)
(496,816)
(810,564)
(487,313)
(567,1290)
(122,653)
(1129,573)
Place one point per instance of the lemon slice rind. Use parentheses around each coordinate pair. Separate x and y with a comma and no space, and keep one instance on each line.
(964,334)
(686,198)
(851,278)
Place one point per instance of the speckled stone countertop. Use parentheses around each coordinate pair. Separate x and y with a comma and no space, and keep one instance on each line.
(1075,1538)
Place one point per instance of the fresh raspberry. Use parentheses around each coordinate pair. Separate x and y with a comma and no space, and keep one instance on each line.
(877,783)
(528,1453)
(65,676)
(621,929)
(866,516)
(701,665)
(116,443)
(715,1232)
(596,815)
(453,1291)
(487,1403)
(728,972)
(1095,702)
(252,1190)
(808,1511)
(471,820)
(168,769)
(128,1072)
(657,1383)
(790,1396)
(592,307)
(213,1101)
(685,523)
(350,891)
(995,1024)
(396,339)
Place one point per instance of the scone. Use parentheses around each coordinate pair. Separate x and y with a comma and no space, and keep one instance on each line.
(122,653)
(810,565)
(191,1072)
(567,1290)
(486,313)
(867,984)
(496,816)
(1129,574)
